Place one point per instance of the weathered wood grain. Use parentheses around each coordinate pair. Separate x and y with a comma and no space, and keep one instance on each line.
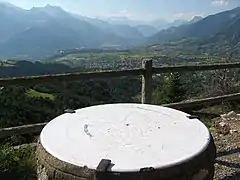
(26,129)
(206,101)
(147,82)
(203,67)
(30,80)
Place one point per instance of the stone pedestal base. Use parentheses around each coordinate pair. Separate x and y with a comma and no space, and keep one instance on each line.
(199,168)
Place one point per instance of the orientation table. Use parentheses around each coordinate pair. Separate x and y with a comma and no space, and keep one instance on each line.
(125,142)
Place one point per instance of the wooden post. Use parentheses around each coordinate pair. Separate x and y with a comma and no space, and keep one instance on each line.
(147,82)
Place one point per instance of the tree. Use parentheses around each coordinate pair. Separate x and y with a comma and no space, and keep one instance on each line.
(172,90)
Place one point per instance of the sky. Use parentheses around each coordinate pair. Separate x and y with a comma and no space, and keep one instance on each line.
(146,10)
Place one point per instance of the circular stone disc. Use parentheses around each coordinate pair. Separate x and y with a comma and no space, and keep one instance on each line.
(132,136)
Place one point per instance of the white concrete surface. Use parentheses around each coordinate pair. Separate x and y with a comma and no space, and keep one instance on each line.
(133,136)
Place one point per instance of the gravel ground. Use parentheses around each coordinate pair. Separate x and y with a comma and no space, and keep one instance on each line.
(227,166)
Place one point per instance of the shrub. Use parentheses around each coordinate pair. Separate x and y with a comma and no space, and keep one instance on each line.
(17,164)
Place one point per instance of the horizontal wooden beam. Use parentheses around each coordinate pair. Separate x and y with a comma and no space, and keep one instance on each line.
(110,74)
(26,129)
(68,77)
(204,67)
(30,145)
(206,101)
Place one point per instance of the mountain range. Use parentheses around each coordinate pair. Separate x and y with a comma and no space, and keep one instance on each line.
(224,23)
(44,31)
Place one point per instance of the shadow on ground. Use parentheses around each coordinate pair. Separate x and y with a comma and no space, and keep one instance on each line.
(227,153)
(235,176)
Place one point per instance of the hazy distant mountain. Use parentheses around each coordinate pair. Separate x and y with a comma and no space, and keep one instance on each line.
(125,31)
(195,19)
(123,20)
(177,22)
(39,41)
(162,24)
(147,30)
(41,31)
(229,34)
(96,22)
(53,11)
(44,31)
(159,24)
(5,7)
(203,28)
(12,20)
(121,30)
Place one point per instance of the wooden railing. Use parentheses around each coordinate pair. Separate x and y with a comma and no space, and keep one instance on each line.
(146,71)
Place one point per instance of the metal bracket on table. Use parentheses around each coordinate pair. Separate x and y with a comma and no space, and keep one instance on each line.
(101,171)
(147,169)
(192,117)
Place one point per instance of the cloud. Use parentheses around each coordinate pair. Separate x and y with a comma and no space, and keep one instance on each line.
(122,13)
(186,15)
(220,2)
